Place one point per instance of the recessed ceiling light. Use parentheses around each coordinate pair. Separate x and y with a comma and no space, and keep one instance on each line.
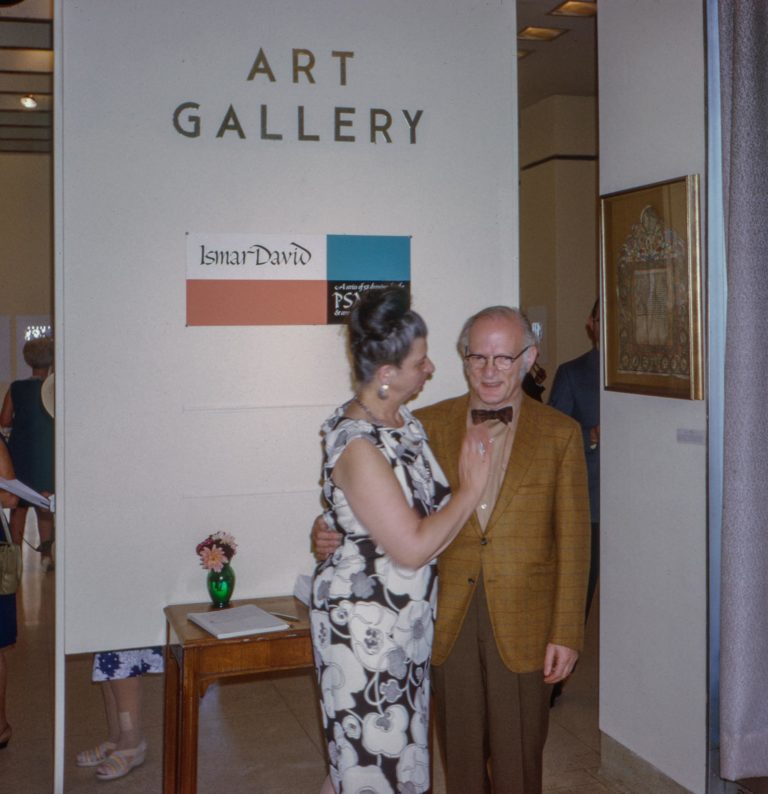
(523,54)
(29,102)
(533,33)
(575,8)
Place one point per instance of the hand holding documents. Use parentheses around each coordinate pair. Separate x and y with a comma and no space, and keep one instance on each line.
(18,488)
(237,621)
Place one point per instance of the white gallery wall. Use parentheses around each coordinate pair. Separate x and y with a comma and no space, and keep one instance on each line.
(653,609)
(166,433)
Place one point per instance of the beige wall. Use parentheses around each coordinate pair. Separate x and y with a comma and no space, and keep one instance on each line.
(558,223)
(653,606)
(26,251)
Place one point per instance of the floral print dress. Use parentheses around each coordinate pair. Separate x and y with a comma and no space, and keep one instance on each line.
(372,624)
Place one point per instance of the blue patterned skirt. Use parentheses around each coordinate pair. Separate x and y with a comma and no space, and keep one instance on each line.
(114,665)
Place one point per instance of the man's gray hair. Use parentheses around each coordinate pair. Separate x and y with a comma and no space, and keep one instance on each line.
(507,313)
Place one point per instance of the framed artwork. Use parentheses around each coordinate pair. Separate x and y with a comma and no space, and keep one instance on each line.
(651,289)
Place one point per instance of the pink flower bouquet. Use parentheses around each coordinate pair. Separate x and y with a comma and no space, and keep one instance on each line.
(216,551)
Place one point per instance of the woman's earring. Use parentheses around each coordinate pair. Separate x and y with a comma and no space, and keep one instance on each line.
(383,391)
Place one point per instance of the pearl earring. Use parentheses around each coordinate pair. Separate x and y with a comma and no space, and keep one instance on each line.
(383,391)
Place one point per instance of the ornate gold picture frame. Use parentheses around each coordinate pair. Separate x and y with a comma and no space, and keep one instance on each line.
(651,289)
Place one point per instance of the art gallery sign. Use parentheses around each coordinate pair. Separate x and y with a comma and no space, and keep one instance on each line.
(339,122)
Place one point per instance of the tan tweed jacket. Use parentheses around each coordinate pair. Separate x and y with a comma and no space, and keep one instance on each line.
(534,555)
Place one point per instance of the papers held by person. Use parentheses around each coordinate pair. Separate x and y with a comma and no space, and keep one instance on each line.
(36,499)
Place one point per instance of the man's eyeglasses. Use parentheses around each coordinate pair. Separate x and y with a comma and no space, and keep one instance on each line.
(501,363)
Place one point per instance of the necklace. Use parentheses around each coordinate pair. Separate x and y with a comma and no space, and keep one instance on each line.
(375,420)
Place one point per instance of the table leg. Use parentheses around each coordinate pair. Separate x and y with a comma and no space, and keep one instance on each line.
(190,706)
(171,721)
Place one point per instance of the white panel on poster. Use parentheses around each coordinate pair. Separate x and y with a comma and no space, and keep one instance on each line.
(256,256)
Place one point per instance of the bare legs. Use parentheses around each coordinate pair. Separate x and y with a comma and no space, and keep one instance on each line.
(17,522)
(44,527)
(125,747)
(122,702)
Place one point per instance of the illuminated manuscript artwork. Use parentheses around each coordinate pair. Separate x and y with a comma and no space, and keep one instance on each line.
(653,299)
(651,290)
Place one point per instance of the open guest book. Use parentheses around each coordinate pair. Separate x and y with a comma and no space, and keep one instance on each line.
(237,621)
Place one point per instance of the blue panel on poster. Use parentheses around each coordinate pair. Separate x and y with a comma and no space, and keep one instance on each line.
(368,257)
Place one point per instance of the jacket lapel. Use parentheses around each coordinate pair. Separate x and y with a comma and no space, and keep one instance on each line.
(520,459)
(452,435)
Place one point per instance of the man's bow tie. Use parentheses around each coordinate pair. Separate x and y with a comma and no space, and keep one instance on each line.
(503,415)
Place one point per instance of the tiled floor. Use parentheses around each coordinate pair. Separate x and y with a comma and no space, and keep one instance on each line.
(255,736)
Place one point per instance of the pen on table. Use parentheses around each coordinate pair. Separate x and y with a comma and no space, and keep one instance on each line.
(282,615)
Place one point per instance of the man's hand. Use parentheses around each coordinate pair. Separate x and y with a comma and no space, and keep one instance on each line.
(324,541)
(559,662)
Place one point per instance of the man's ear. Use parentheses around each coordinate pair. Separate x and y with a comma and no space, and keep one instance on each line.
(530,358)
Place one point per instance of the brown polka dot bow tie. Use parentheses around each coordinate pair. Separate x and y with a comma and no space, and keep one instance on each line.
(503,415)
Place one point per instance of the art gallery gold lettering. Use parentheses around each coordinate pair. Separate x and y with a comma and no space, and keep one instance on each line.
(303,135)
(230,122)
(302,63)
(339,123)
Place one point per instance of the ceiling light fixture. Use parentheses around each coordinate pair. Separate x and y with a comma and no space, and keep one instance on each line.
(534,33)
(575,8)
(28,102)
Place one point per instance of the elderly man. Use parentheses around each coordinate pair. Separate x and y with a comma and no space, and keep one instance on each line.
(510,619)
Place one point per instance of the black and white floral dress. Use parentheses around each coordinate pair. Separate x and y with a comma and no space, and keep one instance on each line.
(372,624)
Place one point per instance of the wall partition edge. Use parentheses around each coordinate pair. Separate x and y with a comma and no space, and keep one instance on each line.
(717,294)
(58,313)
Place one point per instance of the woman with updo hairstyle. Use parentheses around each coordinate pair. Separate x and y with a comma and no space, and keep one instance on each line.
(31,442)
(373,601)
(382,331)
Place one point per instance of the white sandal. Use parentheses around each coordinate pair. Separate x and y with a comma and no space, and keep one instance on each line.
(95,755)
(121,762)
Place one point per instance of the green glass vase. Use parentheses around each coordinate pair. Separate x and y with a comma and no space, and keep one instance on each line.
(221,585)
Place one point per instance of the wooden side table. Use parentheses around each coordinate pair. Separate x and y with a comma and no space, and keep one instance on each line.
(194,659)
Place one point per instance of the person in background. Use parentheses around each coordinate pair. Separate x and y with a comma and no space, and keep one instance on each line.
(31,442)
(120,674)
(7,606)
(373,601)
(533,382)
(510,618)
(576,392)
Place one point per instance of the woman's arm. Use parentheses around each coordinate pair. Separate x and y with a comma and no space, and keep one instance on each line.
(377,499)
(7,473)
(6,414)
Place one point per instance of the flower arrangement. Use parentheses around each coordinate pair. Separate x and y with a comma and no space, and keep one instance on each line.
(216,551)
